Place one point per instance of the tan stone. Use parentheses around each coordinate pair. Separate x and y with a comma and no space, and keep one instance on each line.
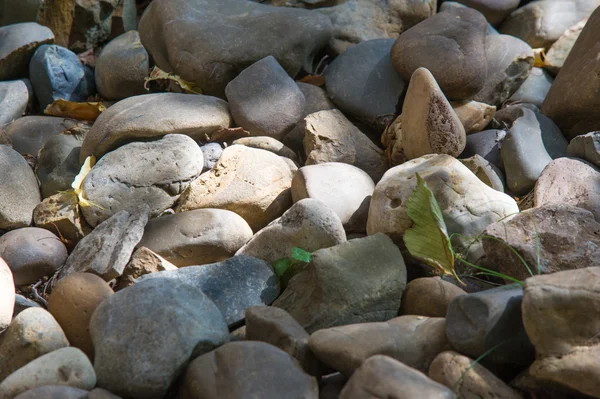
(560,49)
(485,171)
(143,261)
(473,115)
(269,144)
(428,296)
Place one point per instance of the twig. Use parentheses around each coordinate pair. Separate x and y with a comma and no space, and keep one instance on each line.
(36,295)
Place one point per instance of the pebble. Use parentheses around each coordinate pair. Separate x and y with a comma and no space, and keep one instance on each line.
(58,163)
(428,296)
(143,261)
(14,98)
(18,43)
(7,295)
(486,172)
(486,144)
(22,303)
(586,147)
(211,153)
(534,89)
(473,115)
(559,51)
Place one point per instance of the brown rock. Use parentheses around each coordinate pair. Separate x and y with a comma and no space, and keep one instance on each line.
(428,296)
(473,115)
(143,261)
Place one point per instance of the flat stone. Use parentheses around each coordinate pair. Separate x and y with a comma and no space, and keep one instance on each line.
(233,285)
(143,261)
(330,137)
(73,301)
(121,67)
(7,295)
(19,192)
(586,147)
(107,249)
(54,392)
(456,36)
(196,32)
(495,11)
(362,267)
(559,51)
(268,144)
(428,296)
(19,42)
(487,145)
(60,214)
(473,115)
(534,89)
(223,373)
(153,116)
(153,173)
(251,182)
(176,314)
(33,333)
(362,81)
(14,97)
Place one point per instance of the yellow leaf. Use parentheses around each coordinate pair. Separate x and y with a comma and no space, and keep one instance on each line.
(88,111)
(78,182)
(539,58)
(159,74)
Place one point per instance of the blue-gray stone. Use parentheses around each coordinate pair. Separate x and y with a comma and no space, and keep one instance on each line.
(486,144)
(211,152)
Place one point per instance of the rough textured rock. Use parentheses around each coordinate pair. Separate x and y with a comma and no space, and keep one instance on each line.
(223,373)
(72,303)
(586,147)
(495,11)
(196,237)
(268,144)
(143,261)
(195,33)
(456,36)
(153,116)
(337,286)
(330,137)
(18,43)
(61,215)
(468,378)
(383,377)
(486,144)
(14,97)
(54,392)
(19,192)
(32,253)
(473,115)
(309,224)
(344,188)
(233,285)
(428,296)
(107,249)
(559,51)
(363,83)
(153,173)
(534,89)
(65,366)
(58,163)
(7,295)
(253,183)
(176,314)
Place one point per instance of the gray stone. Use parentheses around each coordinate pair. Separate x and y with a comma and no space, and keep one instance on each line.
(153,116)
(121,67)
(495,11)
(7,296)
(587,147)
(14,97)
(99,393)
(449,5)
(107,249)
(456,36)
(154,173)
(534,89)
(264,100)
(203,28)
(233,285)
(56,73)
(22,303)
(487,145)
(58,163)
(476,323)
(363,83)
(211,153)
(223,373)
(32,253)
(358,281)
(54,392)
(196,237)
(18,43)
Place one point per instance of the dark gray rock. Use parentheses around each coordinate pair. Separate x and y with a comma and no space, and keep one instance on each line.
(14,97)
(478,322)
(233,285)
(534,89)
(495,11)
(58,163)
(486,144)
(192,47)
(18,42)
(145,335)
(587,147)
(264,100)
(211,153)
(458,38)
(22,303)
(363,83)
(56,73)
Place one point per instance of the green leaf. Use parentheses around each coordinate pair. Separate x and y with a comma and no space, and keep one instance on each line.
(281,265)
(428,239)
(301,255)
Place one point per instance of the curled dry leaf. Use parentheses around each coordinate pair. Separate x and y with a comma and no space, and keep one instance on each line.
(159,75)
(315,80)
(539,58)
(228,135)
(87,111)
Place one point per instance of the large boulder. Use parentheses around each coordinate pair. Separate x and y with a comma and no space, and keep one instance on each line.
(18,42)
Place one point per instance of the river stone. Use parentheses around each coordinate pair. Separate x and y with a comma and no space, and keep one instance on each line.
(363,83)
(449,5)
(330,137)
(33,333)
(487,145)
(121,67)
(223,373)
(569,181)
(477,322)
(153,116)
(428,296)
(456,36)
(61,215)
(143,261)
(361,280)
(7,295)
(485,171)
(56,73)
(468,205)
(18,42)
(344,188)
(54,392)
(188,37)
(309,224)
(269,144)
(107,249)
(32,253)
(473,115)
(233,285)
(383,377)
(429,124)
(586,147)
(22,303)
(58,163)
(495,11)
(509,62)
(356,21)
(154,173)
(413,340)
(196,237)
(211,153)
(174,313)
(534,89)
(99,393)
(72,302)
(468,378)
(541,23)
(572,99)
(264,100)
(14,97)
(19,192)
(64,366)
(559,51)
(251,182)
